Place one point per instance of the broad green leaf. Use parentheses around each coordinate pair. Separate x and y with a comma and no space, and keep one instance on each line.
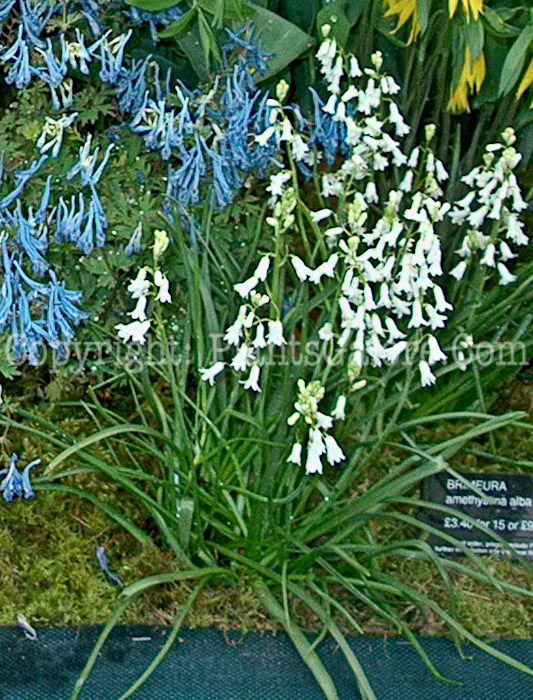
(154,5)
(207,40)
(180,25)
(514,63)
(458,54)
(497,24)
(190,43)
(233,9)
(334,14)
(284,39)
(355,9)
(495,53)
(303,14)
(422,7)
(475,39)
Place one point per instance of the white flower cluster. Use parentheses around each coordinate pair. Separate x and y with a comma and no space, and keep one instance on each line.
(494,204)
(281,128)
(386,268)
(258,325)
(252,331)
(379,252)
(317,439)
(141,289)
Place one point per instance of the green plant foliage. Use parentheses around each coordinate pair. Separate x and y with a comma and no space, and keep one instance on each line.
(199,485)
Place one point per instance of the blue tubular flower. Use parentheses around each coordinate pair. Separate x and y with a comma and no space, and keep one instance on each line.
(61,221)
(11,485)
(132,87)
(111,56)
(101,556)
(85,240)
(62,313)
(156,20)
(95,226)
(150,123)
(83,159)
(58,327)
(6,293)
(28,335)
(22,177)
(95,179)
(87,163)
(263,156)
(68,223)
(223,174)
(183,125)
(19,54)
(100,219)
(16,485)
(135,243)
(184,183)
(46,314)
(90,9)
(41,213)
(32,242)
(238,107)
(75,53)
(27,488)
(37,289)
(5,9)
(59,313)
(55,71)
(327,132)
(35,17)
(252,55)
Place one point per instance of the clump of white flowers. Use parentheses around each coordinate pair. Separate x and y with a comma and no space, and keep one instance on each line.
(491,211)
(149,283)
(316,438)
(377,249)
(258,327)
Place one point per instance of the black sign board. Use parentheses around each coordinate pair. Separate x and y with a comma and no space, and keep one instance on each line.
(506,509)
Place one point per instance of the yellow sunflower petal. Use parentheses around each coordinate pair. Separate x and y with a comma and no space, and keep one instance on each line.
(458,101)
(476,7)
(479,71)
(404,10)
(452,7)
(526,81)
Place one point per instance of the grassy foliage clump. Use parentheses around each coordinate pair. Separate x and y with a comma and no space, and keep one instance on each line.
(49,571)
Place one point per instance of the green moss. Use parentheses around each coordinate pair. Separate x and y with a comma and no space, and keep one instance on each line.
(481,609)
(49,571)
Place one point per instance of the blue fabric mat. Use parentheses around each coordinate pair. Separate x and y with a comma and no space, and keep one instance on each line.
(206,665)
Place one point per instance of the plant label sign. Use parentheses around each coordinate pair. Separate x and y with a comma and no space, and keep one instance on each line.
(503,503)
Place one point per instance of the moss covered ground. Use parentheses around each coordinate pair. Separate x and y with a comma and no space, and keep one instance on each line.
(49,571)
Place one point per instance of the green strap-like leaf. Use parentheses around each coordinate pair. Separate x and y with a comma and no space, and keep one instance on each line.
(514,63)
(180,25)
